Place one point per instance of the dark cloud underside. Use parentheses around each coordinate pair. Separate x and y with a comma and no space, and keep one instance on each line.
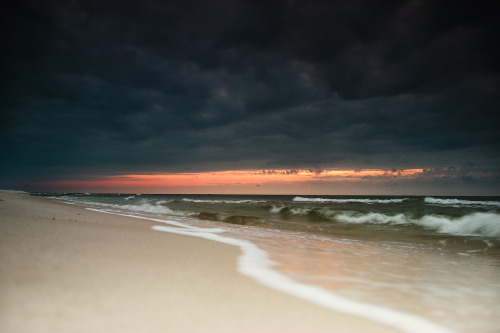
(137,86)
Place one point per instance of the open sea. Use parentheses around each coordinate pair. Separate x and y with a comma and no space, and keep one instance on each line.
(418,264)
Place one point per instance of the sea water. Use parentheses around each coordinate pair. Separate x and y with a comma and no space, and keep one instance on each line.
(413,263)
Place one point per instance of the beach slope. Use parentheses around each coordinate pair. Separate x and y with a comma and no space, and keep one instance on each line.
(67,269)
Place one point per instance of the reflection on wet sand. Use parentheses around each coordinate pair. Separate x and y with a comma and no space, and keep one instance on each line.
(414,278)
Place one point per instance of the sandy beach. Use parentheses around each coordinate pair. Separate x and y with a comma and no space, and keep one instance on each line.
(67,269)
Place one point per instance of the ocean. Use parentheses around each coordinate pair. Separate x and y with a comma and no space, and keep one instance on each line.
(414,263)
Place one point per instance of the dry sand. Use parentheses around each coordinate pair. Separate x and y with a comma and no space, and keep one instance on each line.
(67,269)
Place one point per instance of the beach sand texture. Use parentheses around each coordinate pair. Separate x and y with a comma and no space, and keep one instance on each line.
(67,269)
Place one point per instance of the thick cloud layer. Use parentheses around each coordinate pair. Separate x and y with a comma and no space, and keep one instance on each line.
(101,87)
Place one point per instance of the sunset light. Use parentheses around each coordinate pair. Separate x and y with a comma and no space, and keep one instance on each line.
(250,166)
(225,180)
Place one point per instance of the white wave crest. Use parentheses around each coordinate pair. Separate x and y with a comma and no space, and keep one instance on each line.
(223,201)
(476,224)
(367,201)
(300,211)
(148,208)
(276,210)
(374,218)
(459,202)
(143,207)
(161,202)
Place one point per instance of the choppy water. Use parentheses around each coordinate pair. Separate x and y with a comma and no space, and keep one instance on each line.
(433,257)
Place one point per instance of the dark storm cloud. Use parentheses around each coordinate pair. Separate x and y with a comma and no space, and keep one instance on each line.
(136,86)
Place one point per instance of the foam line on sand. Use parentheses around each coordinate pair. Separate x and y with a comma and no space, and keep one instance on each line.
(254,263)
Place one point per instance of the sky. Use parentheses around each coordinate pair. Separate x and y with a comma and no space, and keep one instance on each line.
(259,97)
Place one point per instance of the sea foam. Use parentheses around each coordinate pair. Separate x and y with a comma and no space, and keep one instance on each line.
(148,208)
(367,201)
(373,218)
(460,202)
(244,201)
(142,207)
(255,263)
(476,224)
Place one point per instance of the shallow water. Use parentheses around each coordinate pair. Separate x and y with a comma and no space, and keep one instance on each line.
(437,258)
(448,287)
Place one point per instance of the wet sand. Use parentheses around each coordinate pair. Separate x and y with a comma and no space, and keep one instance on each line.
(67,269)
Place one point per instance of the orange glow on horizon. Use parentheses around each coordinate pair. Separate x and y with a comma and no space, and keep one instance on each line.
(231,177)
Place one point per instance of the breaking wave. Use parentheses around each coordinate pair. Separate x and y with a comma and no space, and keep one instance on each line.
(460,202)
(367,201)
(301,211)
(372,218)
(471,217)
(143,207)
(276,210)
(147,208)
(476,224)
(160,202)
(244,201)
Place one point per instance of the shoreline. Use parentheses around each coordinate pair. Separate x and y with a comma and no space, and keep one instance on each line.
(65,268)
